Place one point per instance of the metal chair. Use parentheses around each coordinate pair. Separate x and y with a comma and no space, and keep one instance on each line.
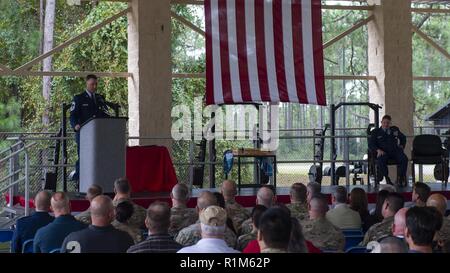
(56,250)
(357,249)
(6,235)
(27,246)
(428,149)
(352,241)
(352,231)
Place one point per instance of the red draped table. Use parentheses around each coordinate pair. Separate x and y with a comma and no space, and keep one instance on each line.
(150,169)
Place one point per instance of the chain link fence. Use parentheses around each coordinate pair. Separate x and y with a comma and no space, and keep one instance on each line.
(295,156)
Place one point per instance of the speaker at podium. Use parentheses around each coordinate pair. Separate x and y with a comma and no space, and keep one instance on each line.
(102,152)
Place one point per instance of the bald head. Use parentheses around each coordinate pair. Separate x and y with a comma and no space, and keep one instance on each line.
(60,204)
(206,199)
(102,210)
(438,201)
(180,192)
(318,206)
(265,197)
(42,201)
(93,191)
(398,227)
(229,189)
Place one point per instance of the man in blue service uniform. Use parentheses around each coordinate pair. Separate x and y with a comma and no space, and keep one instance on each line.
(85,106)
(388,143)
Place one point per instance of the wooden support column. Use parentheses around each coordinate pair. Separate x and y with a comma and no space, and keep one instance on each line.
(390,60)
(149,61)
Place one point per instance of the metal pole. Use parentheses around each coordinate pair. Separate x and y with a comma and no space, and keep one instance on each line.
(64,147)
(347,164)
(11,171)
(420,165)
(212,156)
(191,164)
(333,143)
(27,190)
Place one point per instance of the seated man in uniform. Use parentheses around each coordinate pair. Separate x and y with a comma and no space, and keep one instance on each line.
(318,230)
(388,143)
(393,203)
(85,106)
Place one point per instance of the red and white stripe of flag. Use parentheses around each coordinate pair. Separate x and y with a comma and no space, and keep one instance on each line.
(264,50)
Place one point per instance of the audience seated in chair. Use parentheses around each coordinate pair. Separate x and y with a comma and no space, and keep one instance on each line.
(318,230)
(122,190)
(158,239)
(221,203)
(100,236)
(124,210)
(442,236)
(313,188)
(180,215)
(393,244)
(266,197)
(92,192)
(399,224)
(420,194)
(192,234)
(52,235)
(26,227)
(243,240)
(342,216)
(393,203)
(298,205)
(237,213)
(421,226)
(213,226)
(274,231)
(359,203)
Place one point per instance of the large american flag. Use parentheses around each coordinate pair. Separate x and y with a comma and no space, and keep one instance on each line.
(264,50)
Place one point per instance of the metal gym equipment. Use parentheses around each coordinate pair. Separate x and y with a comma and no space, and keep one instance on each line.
(337,173)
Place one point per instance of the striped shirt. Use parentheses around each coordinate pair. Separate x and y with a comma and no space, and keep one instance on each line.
(157,243)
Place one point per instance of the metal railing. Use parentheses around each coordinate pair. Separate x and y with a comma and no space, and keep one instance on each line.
(292,163)
(17,173)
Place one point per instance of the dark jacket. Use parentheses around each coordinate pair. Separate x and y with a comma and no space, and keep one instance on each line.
(83,108)
(52,235)
(387,141)
(97,240)
(26,228)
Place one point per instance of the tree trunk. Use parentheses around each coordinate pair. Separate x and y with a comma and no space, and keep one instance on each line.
(41,26)
(49,24)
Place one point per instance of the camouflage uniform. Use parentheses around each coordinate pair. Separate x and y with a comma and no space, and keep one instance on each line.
(181,217)
(192,234)
(444,233)
(246,227)
(323,234)
(84,217)
(132,231)
(379,231)
(237,213)
(273,250)
(139,213)
(299,211)
(243,240)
